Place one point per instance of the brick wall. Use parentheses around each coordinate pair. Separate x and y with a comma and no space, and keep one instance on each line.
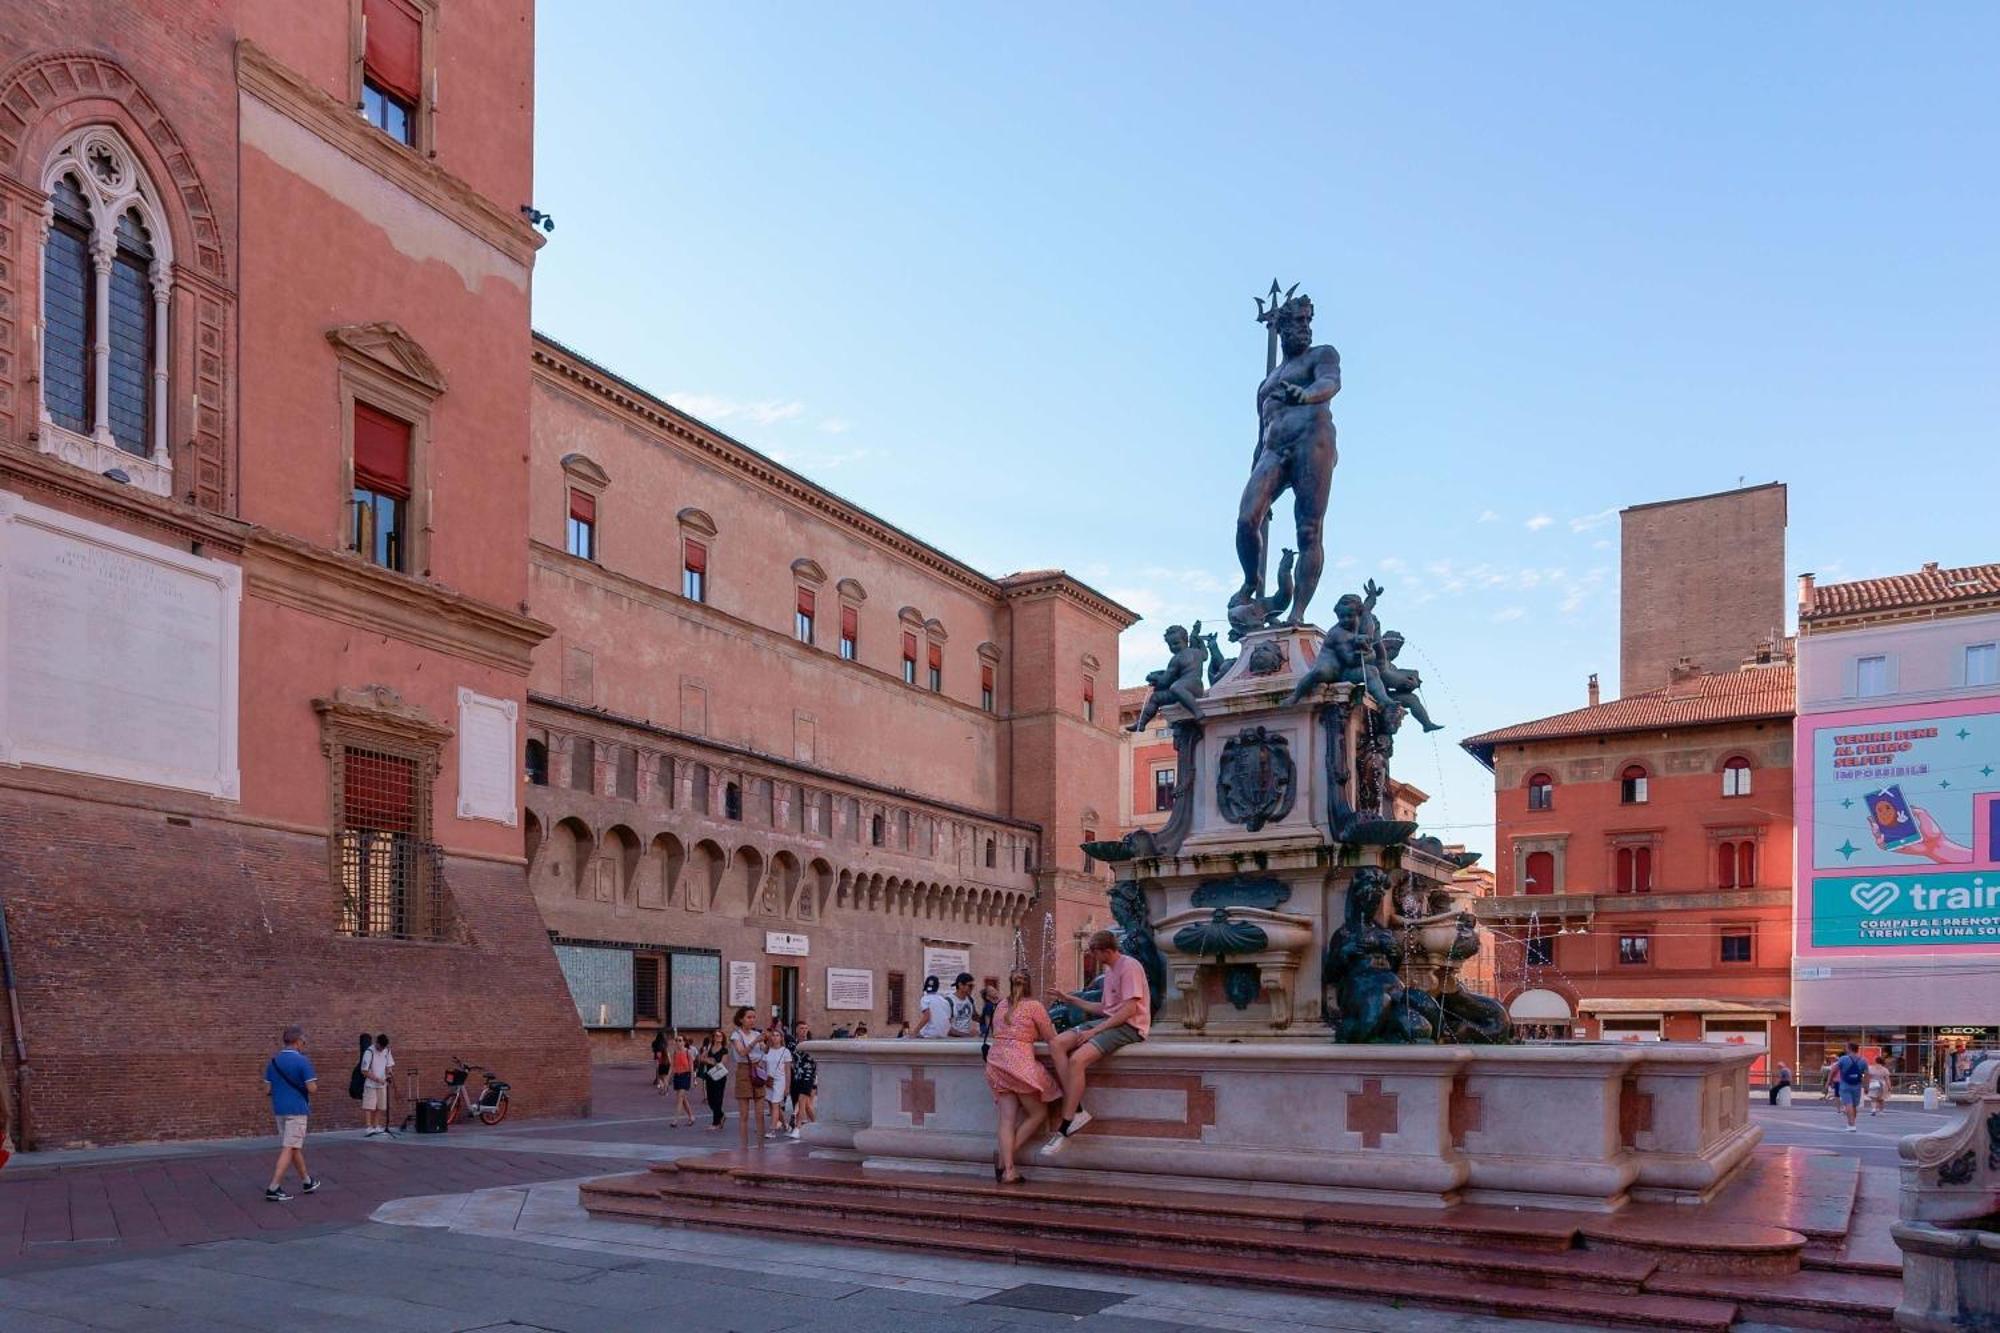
(1703,577)
(157,964)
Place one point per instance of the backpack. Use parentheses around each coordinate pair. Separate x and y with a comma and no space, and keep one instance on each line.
(1852,1067)
(357,1081)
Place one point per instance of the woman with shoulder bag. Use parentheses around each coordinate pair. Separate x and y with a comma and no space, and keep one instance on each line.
(744,1050)
(711,1065)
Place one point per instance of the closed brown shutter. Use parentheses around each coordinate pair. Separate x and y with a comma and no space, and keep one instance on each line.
(381,452)
(805,602)
(583,506)
(697,557)
(850,623)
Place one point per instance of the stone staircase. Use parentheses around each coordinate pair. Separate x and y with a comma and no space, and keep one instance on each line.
(1662,1266)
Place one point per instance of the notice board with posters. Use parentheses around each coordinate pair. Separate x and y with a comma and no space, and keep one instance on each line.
(850,988)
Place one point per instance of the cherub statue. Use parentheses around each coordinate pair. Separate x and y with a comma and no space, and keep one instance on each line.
(1402,684)
(1179,682)
(1348,653)
(1218,665)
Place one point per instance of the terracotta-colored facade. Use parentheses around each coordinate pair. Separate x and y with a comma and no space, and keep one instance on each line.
(303,266)
(741,754)
(1643,880)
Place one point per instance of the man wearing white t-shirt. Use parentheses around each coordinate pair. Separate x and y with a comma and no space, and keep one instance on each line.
(936,1010)
(375,1067)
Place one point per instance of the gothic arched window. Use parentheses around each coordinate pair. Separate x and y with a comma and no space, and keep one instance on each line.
(107,274)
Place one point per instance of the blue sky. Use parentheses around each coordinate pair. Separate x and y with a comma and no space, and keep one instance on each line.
(988,271)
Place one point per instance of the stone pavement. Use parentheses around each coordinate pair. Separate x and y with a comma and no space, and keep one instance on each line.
(1810,1122)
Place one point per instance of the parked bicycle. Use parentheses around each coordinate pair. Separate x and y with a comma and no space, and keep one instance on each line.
(491,1104)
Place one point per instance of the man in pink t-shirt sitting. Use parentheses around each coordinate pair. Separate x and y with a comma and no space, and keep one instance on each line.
(1124,1016)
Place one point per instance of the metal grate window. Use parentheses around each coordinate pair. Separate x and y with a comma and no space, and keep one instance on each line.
(391,880)
(647,972)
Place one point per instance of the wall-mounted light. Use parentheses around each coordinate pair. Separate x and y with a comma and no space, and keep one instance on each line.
(537,218)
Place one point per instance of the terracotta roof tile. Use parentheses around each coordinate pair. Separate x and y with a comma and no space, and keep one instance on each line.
(1929,586)
(1724,697)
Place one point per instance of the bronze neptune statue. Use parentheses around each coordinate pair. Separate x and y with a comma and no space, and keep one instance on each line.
(1295,452)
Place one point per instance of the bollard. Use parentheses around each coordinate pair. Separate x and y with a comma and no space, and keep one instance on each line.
(1930,1096)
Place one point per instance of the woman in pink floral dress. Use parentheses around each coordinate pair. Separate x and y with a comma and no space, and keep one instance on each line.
(1022,1086)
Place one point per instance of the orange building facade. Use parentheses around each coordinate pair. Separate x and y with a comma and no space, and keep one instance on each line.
(1643,882)
(264,406)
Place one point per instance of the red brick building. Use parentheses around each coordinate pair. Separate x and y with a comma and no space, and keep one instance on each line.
(781,752)
(264,410)
(1644,870)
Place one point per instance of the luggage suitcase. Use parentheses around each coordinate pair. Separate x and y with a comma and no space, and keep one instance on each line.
(430,1116)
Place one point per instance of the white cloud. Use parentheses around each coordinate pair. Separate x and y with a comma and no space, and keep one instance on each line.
(1601,544)
(1585,522)
(1507,613)
(835,425)
(1487,516)
(1345,562)
(1538,522)
(715,409)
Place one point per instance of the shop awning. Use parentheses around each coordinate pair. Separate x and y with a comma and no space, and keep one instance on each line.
(1539,1006)
(1654,1008)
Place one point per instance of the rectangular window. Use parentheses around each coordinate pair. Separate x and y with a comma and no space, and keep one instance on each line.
(895,988)
(582,764)
(583,525)
(1736,946)
(392,68)
(1163,789)
(1541,794)
(802,620)
(381,487)
(986,686)
(1635,950)
(1541,951)
(648,998)
(1090,698)
(936,668)
(1982,664)
(1871,676)
(909,659)
(850,632)
(694,571)
(385,872)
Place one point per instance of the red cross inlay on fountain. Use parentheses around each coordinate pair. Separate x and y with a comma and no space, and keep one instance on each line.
(1635,1113)
(1371,1113)
(919,1096)
(1465,1113)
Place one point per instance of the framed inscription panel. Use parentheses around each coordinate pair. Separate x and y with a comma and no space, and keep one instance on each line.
(488,763)
(118,655)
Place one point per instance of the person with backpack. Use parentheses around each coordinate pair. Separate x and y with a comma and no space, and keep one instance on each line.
(376,1062)
(1848,1073)
(290,1080)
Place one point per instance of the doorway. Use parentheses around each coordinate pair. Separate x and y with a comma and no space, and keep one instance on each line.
(785,994)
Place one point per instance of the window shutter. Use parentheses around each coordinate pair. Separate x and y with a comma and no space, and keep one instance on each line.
(395,51)
(583,506)
(909,647)
(850,623)
(985,676)
(937,657)
(381,452)
(805,602)
(1090,689)
(697,557)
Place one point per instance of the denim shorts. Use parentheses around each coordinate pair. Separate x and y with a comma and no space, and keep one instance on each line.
(1850,1093)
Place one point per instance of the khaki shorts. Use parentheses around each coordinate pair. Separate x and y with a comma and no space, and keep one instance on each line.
(291,1131)
(1109,1039)
(375,1096)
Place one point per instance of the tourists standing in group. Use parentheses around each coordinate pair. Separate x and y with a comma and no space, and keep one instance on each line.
(711,1065)
(936,1011)
(680,1069)
(1022,1088)
(1848,1073)
(1783,1081)
(964,1020)
(375,1066)
(778,1082)
(744,1048)
(660,1048)
(1124,1016)
(805,1079)
(290,1080)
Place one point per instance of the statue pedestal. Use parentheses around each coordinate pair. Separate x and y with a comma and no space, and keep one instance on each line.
(1584,1126)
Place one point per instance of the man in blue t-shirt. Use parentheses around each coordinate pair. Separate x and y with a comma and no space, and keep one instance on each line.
(290,1080)
(1849,1071)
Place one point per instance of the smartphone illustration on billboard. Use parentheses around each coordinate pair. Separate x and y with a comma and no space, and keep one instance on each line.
(1890,816)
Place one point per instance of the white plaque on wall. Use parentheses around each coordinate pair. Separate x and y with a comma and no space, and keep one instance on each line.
(743,983)
(118,655)
(944,964)
(487,758)
(785,942)
(850,988)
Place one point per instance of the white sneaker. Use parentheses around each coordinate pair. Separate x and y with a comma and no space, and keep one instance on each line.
(1054,1145)
(793,1135)
(1077,1122)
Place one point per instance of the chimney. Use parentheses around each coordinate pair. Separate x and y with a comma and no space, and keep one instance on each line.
(1593,689)
(1685,668)
(1805,591)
